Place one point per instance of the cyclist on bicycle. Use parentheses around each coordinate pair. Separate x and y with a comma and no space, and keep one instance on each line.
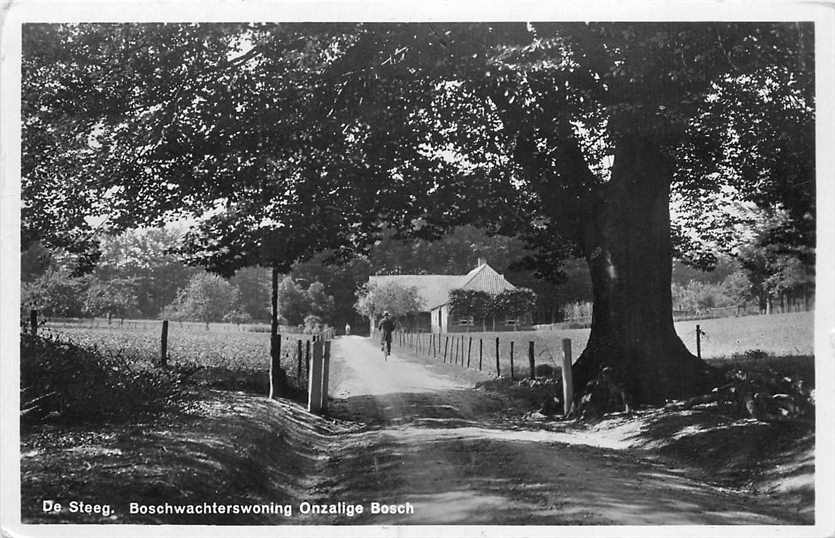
(386,327)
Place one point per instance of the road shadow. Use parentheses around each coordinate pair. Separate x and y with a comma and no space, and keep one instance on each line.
(381,410)
(464,450)
(224,448)
(723,449)
(474,475)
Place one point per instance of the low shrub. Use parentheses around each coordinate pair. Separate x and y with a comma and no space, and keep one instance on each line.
(62,380)
(751,355)
(545,370)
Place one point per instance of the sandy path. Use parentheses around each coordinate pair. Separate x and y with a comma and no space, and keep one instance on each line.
(369,374)
(431,448)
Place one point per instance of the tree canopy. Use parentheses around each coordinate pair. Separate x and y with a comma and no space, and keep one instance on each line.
(287,139)
(375,298)
(302,136)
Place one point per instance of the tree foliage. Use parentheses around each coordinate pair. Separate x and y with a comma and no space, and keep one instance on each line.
(514,304)
(293,302)
(340,278)
(206,298)
(321,304)
(148,259)
(55,293)
(475,303)
(115,297)
(375,298)
(253,285)
(152,102)
(775,263)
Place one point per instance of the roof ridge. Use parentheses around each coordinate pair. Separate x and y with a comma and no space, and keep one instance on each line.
(472,274)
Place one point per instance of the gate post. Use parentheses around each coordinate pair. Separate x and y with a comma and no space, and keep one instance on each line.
(314,386)
(699,341)
(531,360)
(567,379)
(163,344)
(469,350)
(275,366)
(326,362)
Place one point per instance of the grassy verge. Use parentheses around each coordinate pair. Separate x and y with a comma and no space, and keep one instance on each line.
(64,382)
(775,335)
(109,427)
(234,360)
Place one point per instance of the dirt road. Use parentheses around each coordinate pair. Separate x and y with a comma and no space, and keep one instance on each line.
(432,441)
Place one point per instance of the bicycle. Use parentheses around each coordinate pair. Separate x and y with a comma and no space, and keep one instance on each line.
(385,347)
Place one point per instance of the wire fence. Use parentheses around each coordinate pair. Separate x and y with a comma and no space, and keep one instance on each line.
(220,347)
(512,354)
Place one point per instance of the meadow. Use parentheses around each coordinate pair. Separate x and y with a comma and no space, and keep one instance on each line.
(789,334)
(223,346)
(189,344)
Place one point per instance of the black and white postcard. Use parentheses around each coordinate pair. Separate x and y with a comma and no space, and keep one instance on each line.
(389,269)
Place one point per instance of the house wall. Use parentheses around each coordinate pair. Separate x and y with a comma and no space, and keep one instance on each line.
(417,322)
(439,319)
(490,325)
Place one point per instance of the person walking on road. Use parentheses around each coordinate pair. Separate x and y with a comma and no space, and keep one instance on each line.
(386,327)
(347,329)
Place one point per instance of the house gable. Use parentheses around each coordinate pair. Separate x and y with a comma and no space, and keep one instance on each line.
(485,278)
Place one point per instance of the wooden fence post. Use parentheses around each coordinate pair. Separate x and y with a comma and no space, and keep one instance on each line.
(469,350)
(698,341)
(163,343)
(511,360)
(531,360)
(307,358)
(275,365)
(314,385)
(498,369)
(326,361)
(480,352)
(446,345)
(299,358)
(33,322)
(567,379)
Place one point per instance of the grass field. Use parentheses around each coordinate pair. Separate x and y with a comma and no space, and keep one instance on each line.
(789,334)
(187,344)
(778,334)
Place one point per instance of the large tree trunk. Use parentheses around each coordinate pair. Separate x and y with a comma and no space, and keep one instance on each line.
(628,249)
